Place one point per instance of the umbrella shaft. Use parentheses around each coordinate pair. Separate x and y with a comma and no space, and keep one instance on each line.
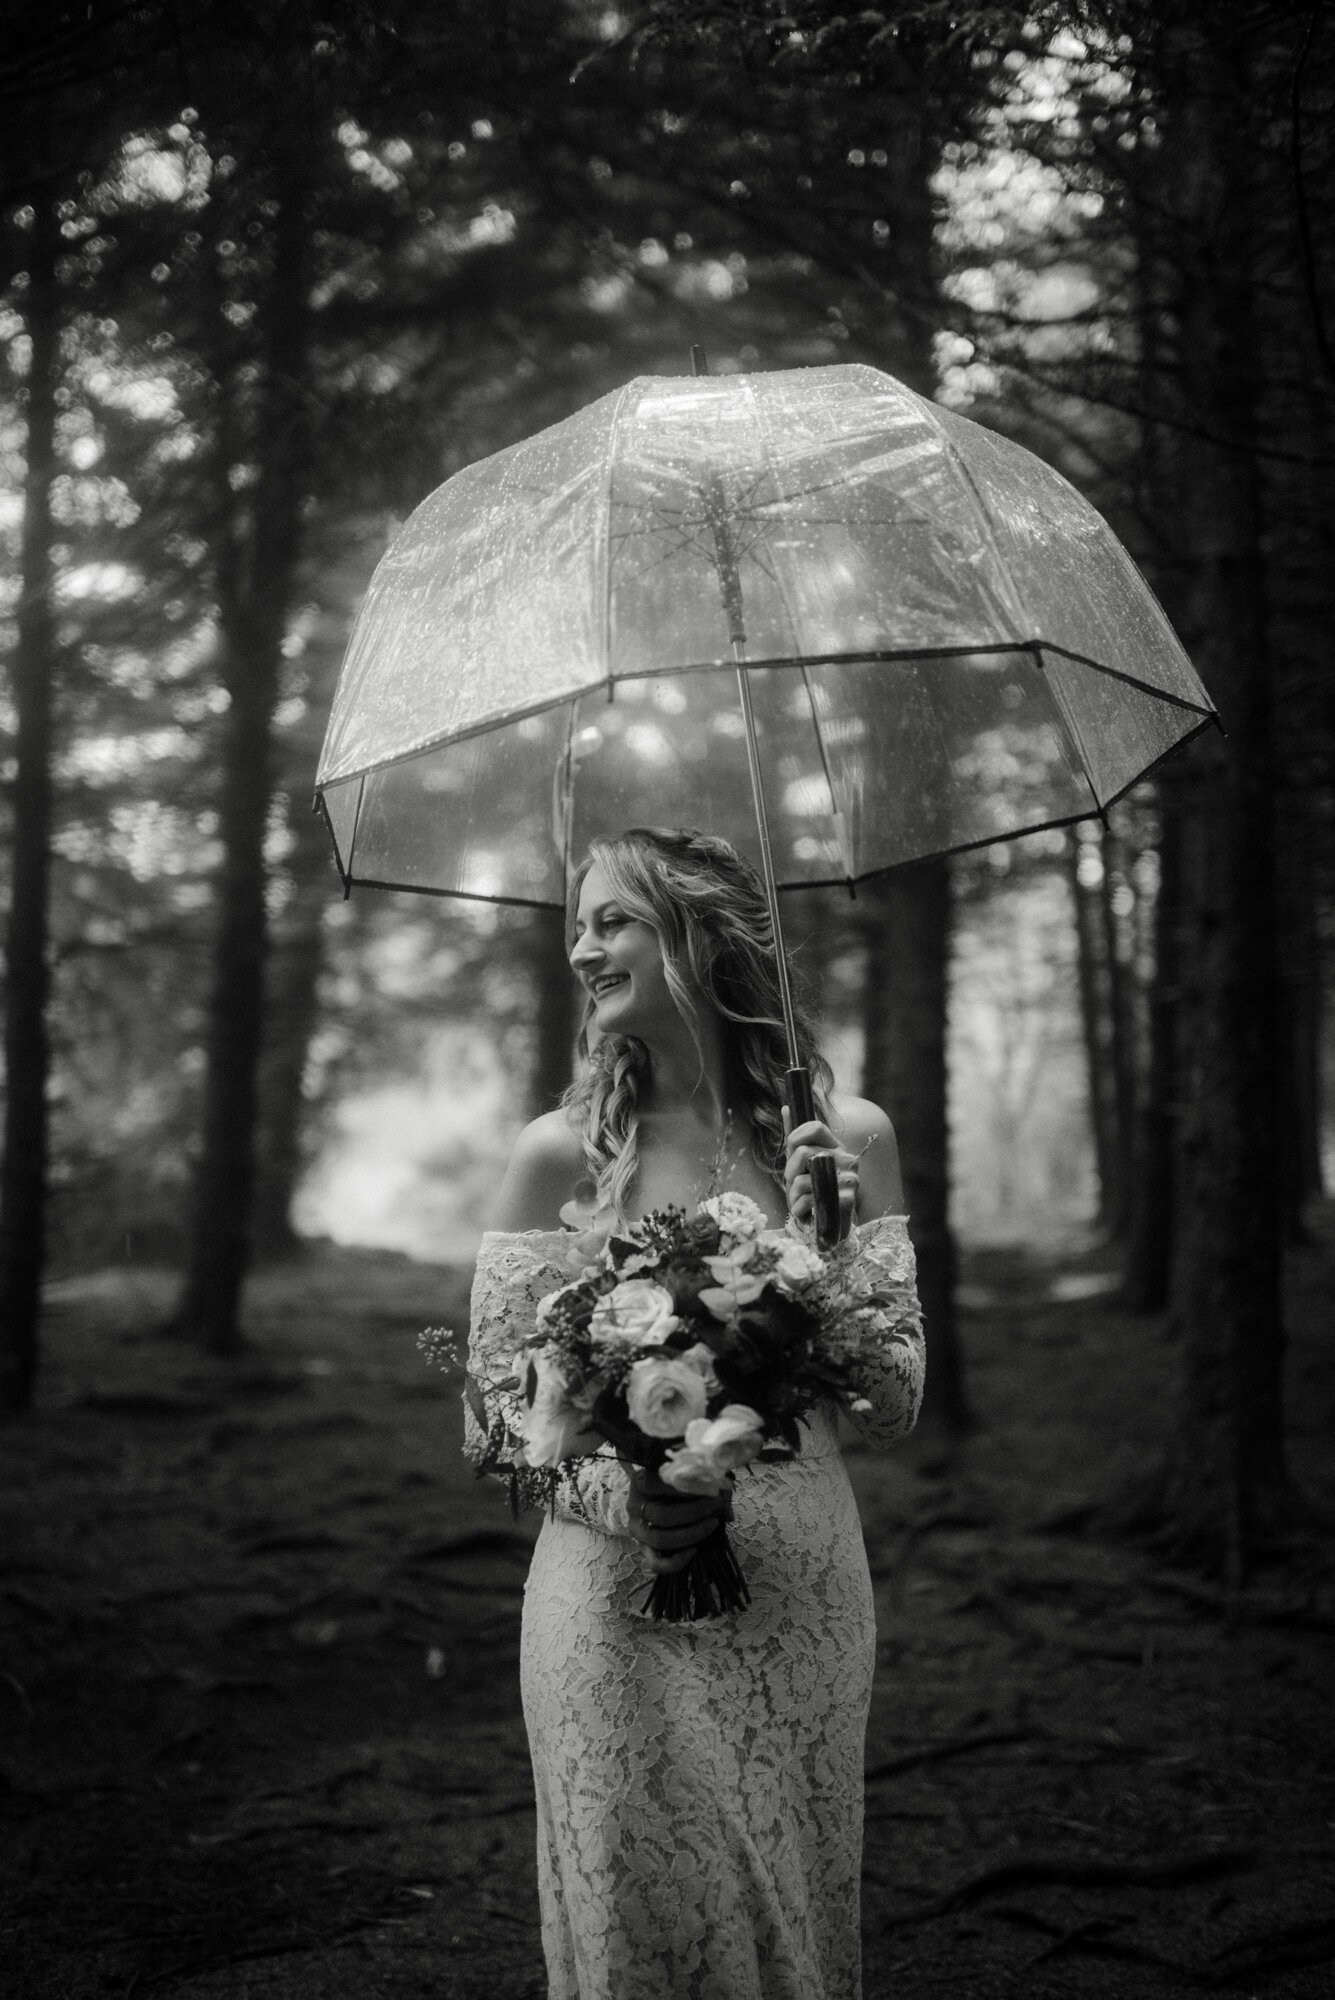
(766,856)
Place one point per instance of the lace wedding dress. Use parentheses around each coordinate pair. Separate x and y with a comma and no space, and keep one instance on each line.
(699,1787)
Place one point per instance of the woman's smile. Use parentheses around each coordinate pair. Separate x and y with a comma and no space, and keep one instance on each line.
(618,960)
(603,982)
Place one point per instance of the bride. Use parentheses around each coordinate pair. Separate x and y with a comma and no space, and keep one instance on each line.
(699,1786)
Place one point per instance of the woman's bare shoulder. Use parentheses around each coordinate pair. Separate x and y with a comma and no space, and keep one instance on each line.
(857,1119)
(545,1163)
(551,1137)
(863,1128)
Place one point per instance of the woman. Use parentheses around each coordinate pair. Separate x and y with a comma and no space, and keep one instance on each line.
(699,1786)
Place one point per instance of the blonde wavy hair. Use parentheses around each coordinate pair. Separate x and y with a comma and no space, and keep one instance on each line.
(709,910)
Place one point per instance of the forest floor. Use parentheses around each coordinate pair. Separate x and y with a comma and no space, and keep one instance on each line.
(260,1718)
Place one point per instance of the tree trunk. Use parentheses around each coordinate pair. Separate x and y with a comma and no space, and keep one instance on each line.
(1226,1486)
(1147,1278)
(904,1069)
(27,1053)
(253,612)
(1152,1211)
(1093,1021)
(1300,1017)
(292,1014)
(1121,1040)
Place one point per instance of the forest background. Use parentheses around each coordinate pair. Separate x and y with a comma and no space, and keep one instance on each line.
(270,271)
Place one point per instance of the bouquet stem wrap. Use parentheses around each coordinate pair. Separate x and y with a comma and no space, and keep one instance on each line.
(710,1585)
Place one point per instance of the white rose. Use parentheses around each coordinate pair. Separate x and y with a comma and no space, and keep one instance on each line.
(735,1286)
(797,1265)
(553,1422)
(664,1396)
(714,1449)
(736,1215)
(635,1313)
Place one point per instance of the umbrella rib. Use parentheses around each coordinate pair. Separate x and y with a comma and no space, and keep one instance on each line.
(568,802)
(1129,680)
(686,525)
(821,747)
(462,895)
(793,495)
(759,542)
(683,541)
(760,555)
(606,526)
(689,530)
(996,839)
(356,824)
(1073,730)
(984,512)
(1162,758)
(321,805)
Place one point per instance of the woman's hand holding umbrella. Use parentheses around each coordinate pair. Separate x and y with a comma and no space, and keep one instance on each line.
(814,1140)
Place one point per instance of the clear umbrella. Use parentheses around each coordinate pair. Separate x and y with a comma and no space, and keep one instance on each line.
(807,610)
(946,644)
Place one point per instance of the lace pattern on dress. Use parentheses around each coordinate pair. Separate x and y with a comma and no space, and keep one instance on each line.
(515,1272)
(871,1300)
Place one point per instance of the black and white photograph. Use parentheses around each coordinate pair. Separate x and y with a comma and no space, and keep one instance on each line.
(667,956)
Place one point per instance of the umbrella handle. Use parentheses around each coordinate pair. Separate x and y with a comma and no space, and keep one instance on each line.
(824,1173)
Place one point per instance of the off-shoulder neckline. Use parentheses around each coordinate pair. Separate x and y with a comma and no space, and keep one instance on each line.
(522,1235)
(515,1235)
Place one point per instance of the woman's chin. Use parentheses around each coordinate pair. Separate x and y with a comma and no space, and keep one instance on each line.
(610,1012)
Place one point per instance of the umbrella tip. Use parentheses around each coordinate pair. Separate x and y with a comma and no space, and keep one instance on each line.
(699,361)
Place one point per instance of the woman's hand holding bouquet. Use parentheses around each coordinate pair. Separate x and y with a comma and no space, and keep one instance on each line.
(692,1345)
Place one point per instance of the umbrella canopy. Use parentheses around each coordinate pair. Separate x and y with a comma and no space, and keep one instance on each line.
(944,644)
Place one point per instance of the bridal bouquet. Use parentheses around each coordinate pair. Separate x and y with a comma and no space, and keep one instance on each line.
(693,1345)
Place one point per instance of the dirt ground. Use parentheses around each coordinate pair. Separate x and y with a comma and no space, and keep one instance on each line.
(259,1716)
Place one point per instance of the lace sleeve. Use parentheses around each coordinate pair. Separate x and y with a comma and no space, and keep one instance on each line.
(872,1301)
(515,1271)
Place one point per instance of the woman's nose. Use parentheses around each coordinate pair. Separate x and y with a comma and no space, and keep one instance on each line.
(583,951)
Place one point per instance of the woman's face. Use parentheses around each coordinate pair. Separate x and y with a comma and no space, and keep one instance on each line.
(618,960)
